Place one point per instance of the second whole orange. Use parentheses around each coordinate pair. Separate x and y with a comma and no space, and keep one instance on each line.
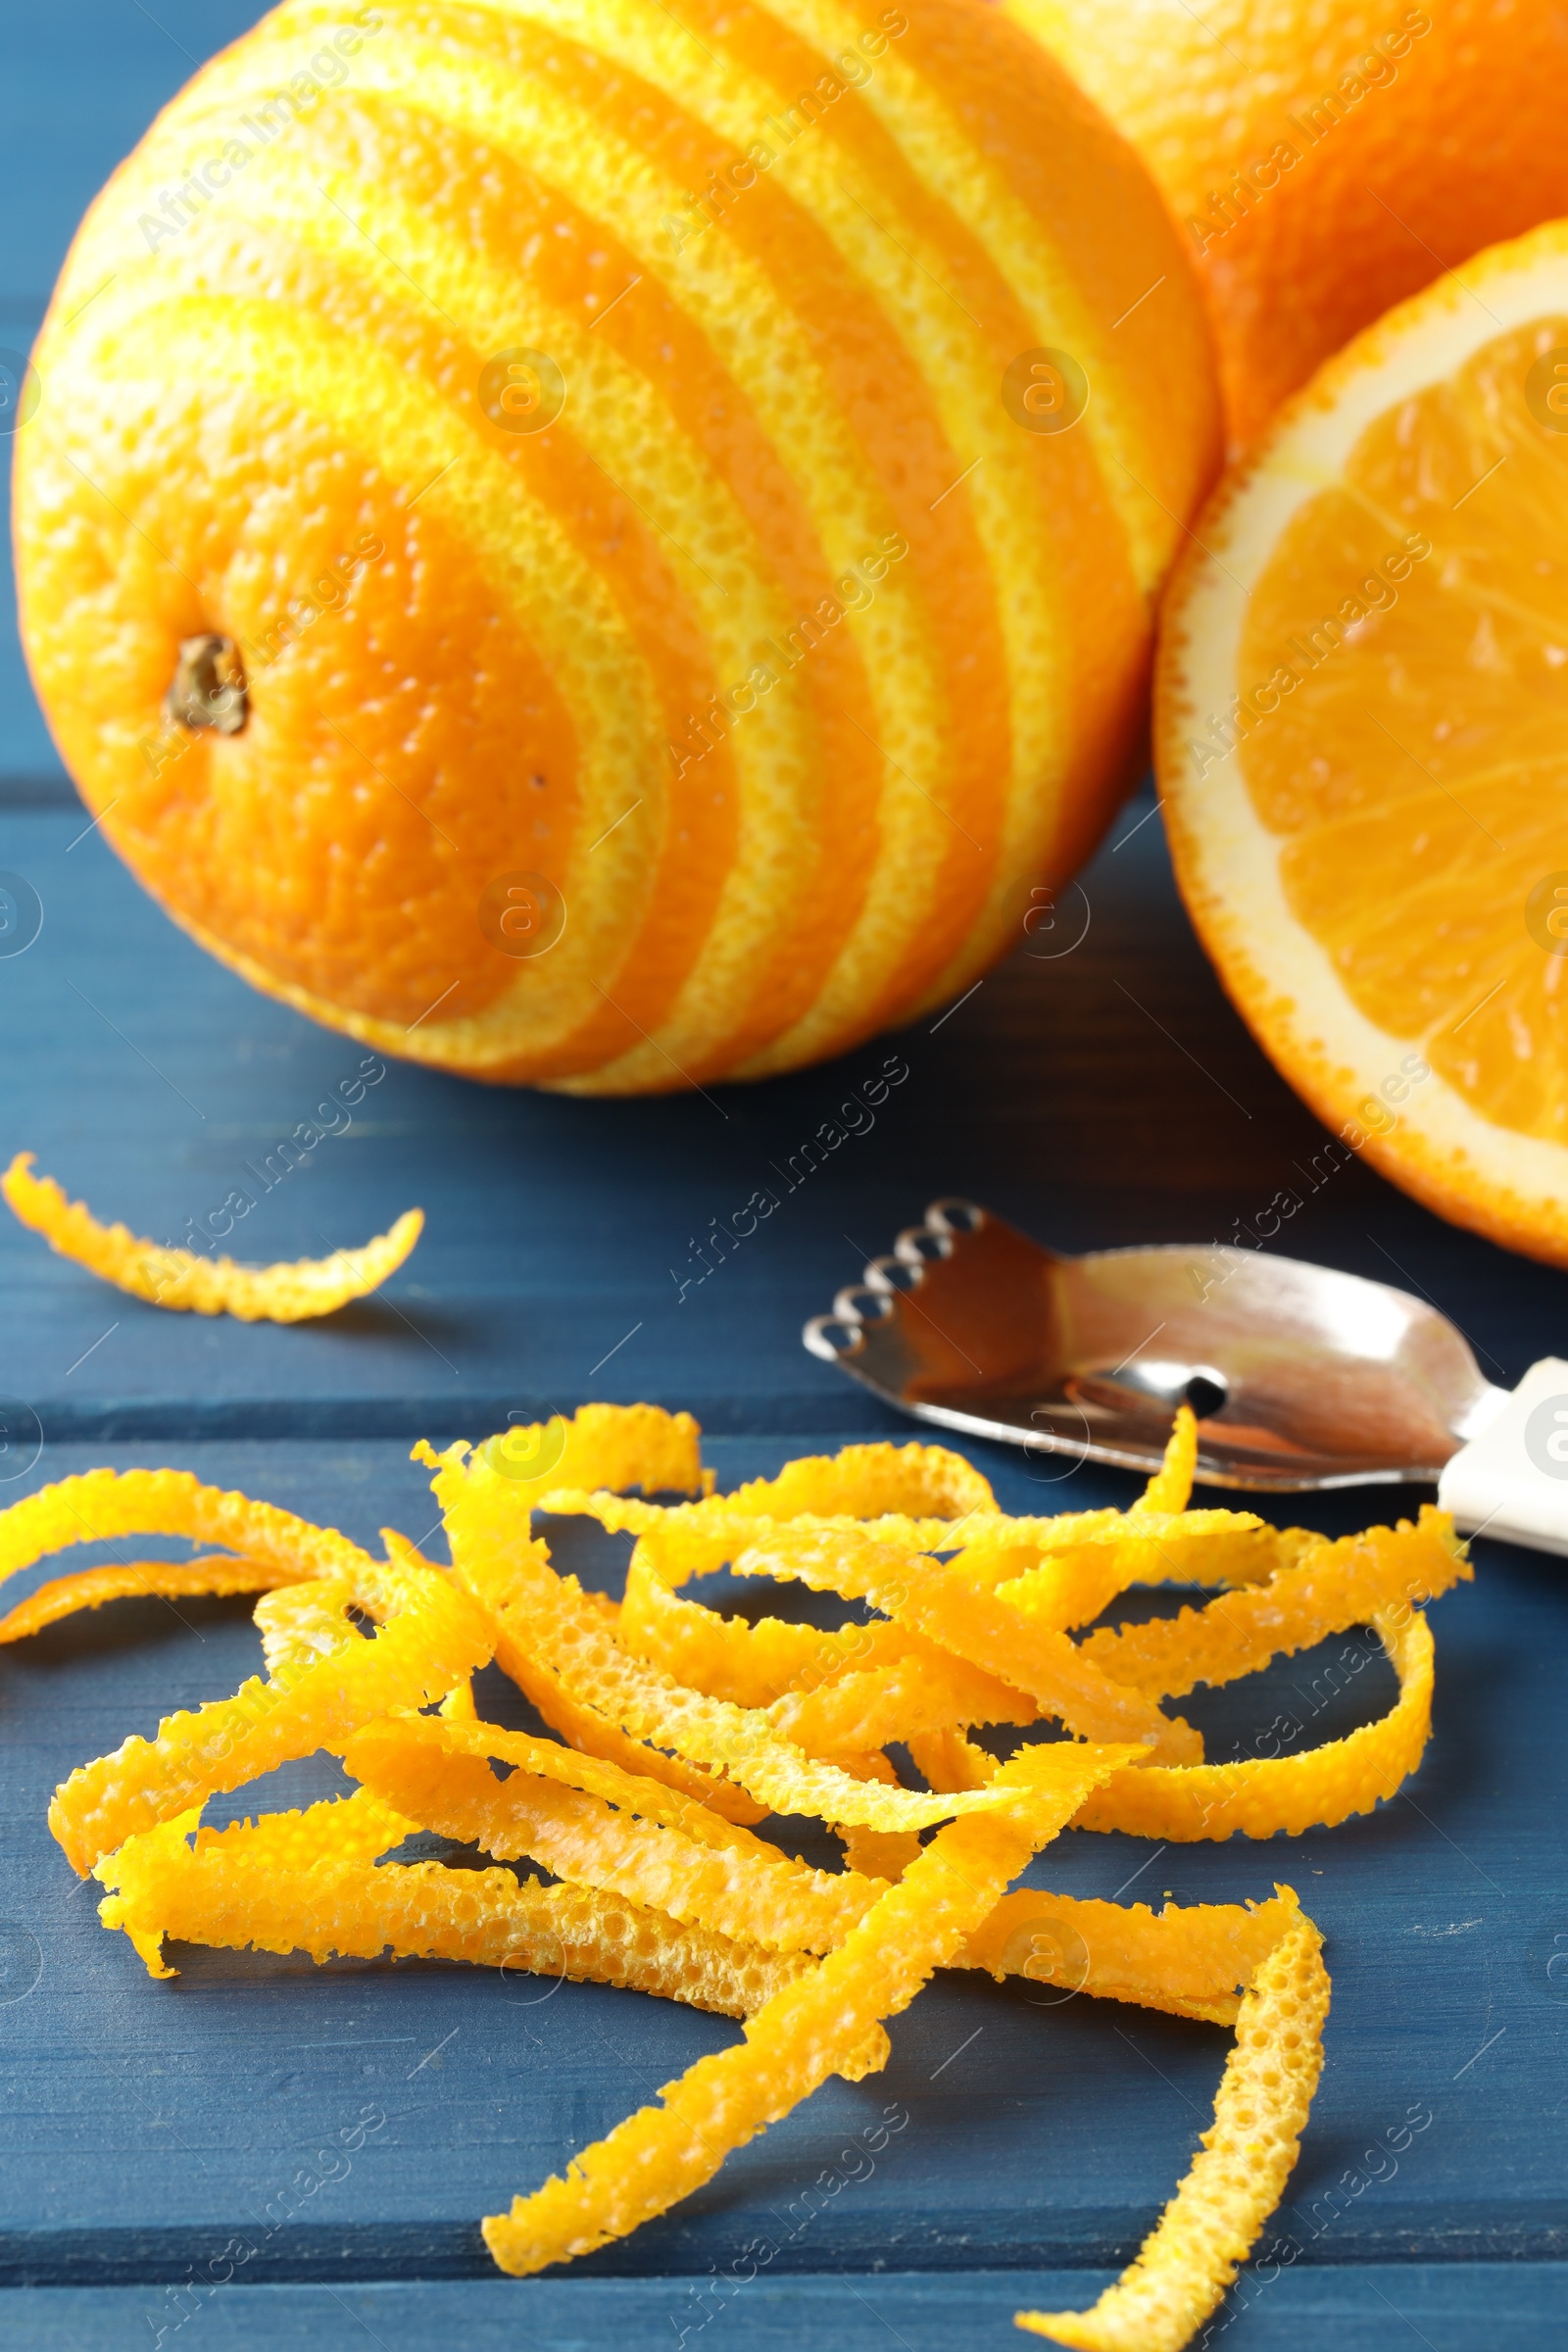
(1325,158)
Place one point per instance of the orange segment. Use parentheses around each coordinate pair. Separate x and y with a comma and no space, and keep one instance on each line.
(1365,677)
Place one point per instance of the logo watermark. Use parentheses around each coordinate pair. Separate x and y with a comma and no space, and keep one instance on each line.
(1546,910)
(1545,390)
(20,1438)
(21,914)
(19,391)
(1547,1437)
(1045,390)
(522,915)
(522,391)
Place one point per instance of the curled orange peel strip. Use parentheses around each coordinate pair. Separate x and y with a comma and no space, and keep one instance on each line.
(1170,1489)
(598,1732)
(289,1293)
(340,1828)
(805,2032)
(1188,1960)
(100,1504)
(301,1622)
(1212,2222)
(752,1893)
(131,1580)
(617,1445)
(1334,1585)
(927,1482)
(948,1759)
(460,1733)
(980,1627)
(875,1853)
(233,1891)
(1262,1794)
(429,1636)
(494,1558)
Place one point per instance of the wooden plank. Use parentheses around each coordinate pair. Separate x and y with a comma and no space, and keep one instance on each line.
(1363,2309)
(560,1232)
(1105,1094)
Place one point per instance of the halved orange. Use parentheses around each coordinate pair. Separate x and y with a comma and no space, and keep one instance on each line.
(1362,742)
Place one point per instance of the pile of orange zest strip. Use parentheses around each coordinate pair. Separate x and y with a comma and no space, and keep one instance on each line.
(291,1293)
(680,1730)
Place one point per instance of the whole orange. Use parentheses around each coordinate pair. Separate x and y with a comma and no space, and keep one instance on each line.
(1326,158)
(607,546)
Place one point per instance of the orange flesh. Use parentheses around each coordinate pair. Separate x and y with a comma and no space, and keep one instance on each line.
(1415,771)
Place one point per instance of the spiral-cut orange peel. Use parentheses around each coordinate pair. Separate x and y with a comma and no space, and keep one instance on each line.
(290,1292)
(681,1729)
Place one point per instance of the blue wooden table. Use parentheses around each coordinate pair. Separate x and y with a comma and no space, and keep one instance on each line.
(1099,1095)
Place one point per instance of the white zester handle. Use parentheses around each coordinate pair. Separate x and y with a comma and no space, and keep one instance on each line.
(1512,1480)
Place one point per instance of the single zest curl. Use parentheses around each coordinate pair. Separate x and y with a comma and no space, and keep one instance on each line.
(232,1892)
(1331,1587)
(928,1482)
(1263,1794)
(1212,2222)
(301,1622)
(460,1733)
(216,1576)
(1171,1487)
(1190,1961)
(289,1293)
(617,1445)
(340,1828)
(100,1504)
